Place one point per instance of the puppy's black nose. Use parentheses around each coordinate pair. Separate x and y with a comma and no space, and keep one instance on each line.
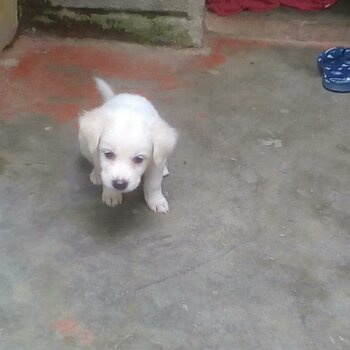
(120,184)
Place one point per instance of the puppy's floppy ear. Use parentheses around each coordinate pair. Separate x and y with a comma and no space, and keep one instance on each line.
(164,139)
(91,125)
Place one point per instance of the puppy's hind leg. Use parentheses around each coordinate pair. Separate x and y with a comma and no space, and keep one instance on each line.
(166,171)
(95,176)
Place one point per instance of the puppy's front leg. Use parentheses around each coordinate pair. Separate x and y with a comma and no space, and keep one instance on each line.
(153,189)
(111,197)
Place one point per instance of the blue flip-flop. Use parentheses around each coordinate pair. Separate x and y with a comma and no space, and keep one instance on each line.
(334,64)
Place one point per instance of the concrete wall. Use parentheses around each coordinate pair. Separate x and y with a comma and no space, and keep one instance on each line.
(169,22)
(8,21)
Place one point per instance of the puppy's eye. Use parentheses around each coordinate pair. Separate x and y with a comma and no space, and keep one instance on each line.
(109,155)
(138,159)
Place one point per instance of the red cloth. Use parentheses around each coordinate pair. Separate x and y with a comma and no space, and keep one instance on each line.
(226,7)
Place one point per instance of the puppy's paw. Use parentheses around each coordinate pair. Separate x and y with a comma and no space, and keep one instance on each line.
(95,177)
(158,203)
(111,197)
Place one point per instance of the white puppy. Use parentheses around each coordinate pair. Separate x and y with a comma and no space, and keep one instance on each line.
(124,139)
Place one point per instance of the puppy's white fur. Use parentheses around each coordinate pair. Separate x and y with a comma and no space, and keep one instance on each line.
(124,139)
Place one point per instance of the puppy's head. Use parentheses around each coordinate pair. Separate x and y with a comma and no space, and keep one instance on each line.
(125,151)
(126,145)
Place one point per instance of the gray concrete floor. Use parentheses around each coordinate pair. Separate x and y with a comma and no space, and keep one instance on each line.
(254,253)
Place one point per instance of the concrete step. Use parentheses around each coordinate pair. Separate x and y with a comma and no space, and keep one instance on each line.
(179,6)
(179,23)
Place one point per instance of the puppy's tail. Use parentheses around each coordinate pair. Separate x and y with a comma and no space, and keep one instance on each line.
(104,89)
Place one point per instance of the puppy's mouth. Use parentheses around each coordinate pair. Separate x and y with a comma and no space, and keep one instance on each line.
(122,186)
(123,191)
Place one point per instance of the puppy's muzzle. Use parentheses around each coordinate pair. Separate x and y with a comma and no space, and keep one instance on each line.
(120,185)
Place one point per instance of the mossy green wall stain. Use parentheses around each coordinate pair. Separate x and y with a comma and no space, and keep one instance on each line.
(157,29)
